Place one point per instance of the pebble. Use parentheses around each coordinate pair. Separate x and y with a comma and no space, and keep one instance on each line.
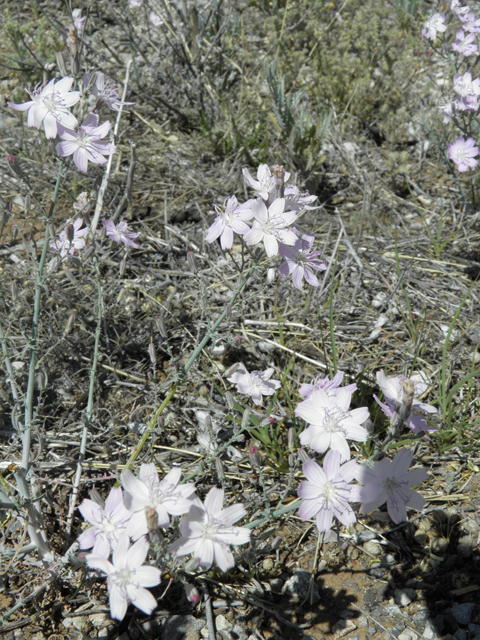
(429,632)
(343,628)
(403,597)
(298,587)
(463,612)
(408,634)
(373,548)
(465,546)
(439,546)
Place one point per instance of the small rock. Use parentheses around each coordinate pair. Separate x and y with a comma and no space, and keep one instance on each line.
(420,537)
(460,634)
(473,334)
(429,632)
(229,631)
(276,585)
(465,546)
(267,565)
(377,572)
(373,548)
(298,587)
(471,525)
(372,630)
(365,536)
(439,546)
(408,634)
(403,597)
(463,612)
(181,628)
(343,628)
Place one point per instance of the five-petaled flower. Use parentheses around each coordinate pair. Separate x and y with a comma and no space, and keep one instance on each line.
(464,43)
(127,577)
(104,89)
(331,422)
(255,384)
(462,152)
(391,482)
(109,523)
(300,262)
(432,25)
(162,495)
(49,104)
(120,232)
(327,492)
(207,531)
(271,225)
(66,244)
(86,143)
(229,219)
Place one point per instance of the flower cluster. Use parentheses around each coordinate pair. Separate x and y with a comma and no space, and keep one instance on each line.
(271,213)
(463,151)
(328,492)
(207,531)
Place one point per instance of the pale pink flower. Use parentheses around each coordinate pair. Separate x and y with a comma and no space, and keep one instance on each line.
(464,44)
(207,531)
(391,482)
(462,152)
(331,422)
(64,245)
(471,23)
(393,391)
(432,25)
(127,577)
(162,495)
(301,262)
(229,219)
(330,386)
(447,106)
(457,9)
(77,24)
(271,226)
(109,523)
(120,232)
(104,89)
(327,492)
(463,85)
(255,384)
(86,144)
(49,105)
(265,188)
(415,421)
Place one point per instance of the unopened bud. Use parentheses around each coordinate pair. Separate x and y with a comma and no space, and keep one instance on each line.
(28,203)
(219,469)
(207,422)
(279,173)
(70,321)
(151,517)
(123,266)
(228,314)
(255,458)
(61,64)
(160,423)
(192,565)
(230,400)
(9,207)
(41,379)
(96,497)
(246,417)
(89,251)
(203,296)
(161,328)
(151,352)
(191,593)
(72,39)
(231,370)
(15,166)
(191,261)
(303,455)
(267,421)
(70,232)
(292,458)
(51,229)
(271,275)
(14,290)
(291,438)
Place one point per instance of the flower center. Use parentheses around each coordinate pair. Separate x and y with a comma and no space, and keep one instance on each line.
(122,578)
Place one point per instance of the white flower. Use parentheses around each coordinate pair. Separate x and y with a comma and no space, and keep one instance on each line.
(109,524)
(127,577)
(229,219)
(162,495)
(255,384)
(49,104)
(393,390)
(331,422)
(207,532)
(271,226)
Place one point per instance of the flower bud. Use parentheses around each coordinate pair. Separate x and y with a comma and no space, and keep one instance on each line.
(161,328)
(41,379)
(303,455)
(292,458)
(230,400)
(231,370)
(191,593)
(70,232)
(96,497)
(228,314)
(160,423)
(255,458)
(73,42)
(14,290)
(123,266)
(219,469)
(271,275)
(203,296)
(192,565)
(151,352)
(291,438)
(28,203)
(246,417)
